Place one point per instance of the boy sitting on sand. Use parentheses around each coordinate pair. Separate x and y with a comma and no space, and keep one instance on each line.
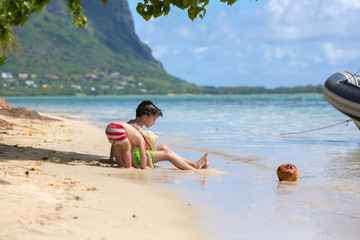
(125,139)
(146,115)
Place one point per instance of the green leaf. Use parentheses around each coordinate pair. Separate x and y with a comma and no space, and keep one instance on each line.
(166,10)
(2,60)
(140,9)
(147,16)
(191,13)
(105,2)
(150,10)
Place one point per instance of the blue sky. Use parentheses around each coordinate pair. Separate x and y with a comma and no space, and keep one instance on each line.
(267,43)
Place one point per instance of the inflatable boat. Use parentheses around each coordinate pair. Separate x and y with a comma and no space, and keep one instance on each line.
(342,91)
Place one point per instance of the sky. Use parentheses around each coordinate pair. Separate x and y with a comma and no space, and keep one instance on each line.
(270,43)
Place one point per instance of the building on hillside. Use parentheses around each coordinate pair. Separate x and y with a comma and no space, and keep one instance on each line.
(31,83)
(91,76)
(51,76)
(7,75)
(23,75)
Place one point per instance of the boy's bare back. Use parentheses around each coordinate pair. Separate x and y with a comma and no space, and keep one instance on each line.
(135,137)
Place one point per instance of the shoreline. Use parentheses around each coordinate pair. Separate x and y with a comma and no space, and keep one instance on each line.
(56,184)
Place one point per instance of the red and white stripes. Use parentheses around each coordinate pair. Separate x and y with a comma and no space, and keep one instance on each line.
(116,133)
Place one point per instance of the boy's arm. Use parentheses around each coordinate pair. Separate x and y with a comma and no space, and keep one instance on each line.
(143,153)
(133,161)
(149,161)
(111,158)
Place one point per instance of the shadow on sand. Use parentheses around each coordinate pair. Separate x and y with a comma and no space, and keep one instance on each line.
(15,152)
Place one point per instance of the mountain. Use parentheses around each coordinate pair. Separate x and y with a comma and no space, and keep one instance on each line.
(106,57)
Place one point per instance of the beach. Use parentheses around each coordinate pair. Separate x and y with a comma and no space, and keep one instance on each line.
(238,197)
(57,184)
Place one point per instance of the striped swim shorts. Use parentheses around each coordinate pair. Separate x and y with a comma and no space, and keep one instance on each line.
(116,133)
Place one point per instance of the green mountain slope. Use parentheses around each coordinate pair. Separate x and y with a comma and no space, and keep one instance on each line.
(104,58)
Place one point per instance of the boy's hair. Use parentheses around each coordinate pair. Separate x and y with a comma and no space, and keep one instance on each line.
(148,108)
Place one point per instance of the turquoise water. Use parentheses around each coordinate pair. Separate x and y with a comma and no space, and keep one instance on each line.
(242,134)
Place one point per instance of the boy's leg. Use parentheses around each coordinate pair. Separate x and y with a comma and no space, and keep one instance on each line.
(122,152)
(168,156)
(203,162)
(163,147)
(116,152)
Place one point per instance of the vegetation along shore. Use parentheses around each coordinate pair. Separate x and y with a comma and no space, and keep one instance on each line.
(27,84)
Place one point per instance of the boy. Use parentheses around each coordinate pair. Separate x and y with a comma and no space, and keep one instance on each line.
(146,115)
(124,139)
(149,113)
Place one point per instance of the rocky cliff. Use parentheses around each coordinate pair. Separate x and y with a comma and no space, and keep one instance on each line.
(51,43)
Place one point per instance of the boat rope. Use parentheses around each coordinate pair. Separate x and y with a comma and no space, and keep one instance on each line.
(312,130)
(357,72)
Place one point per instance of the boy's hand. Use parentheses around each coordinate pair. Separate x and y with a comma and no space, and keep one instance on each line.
(149,161)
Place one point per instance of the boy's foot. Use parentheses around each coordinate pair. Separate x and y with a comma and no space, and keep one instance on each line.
(207,163)
(201,162)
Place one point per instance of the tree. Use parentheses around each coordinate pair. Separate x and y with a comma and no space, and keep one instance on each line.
(157,8)
(17,12)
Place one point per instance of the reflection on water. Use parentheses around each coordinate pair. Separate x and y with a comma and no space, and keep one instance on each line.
(286,187)
(345,165)
(322,204)
(169,175)
(313,207)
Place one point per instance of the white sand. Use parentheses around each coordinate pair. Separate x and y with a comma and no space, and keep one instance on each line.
(53,187)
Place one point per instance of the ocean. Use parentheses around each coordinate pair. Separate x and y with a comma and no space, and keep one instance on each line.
(247,138)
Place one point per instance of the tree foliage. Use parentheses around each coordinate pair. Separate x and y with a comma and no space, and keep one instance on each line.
(17,12)
(157,8)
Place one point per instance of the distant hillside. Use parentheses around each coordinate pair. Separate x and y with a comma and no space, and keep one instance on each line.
(106,57)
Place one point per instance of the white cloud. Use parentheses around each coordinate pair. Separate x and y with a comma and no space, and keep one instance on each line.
(280,55)
(160,50)
(296,20)
(184,32)
(295,42)
(350,3)
(200,50)
(336,55)
(278,7)
(332,54)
